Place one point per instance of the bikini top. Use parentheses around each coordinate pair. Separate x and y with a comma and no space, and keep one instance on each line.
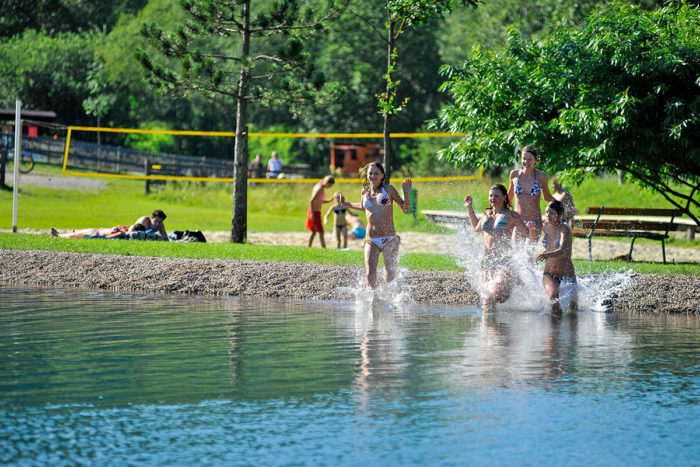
(545,242)
(534,190)
(500,224)
(339,210)
(384,200)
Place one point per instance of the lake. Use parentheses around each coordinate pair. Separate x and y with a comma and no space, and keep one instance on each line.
(106,378)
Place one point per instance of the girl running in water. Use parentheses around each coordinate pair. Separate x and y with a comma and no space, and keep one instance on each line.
(377,202)
(498,224)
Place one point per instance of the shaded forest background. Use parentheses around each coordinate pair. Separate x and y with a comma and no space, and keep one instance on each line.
(77,58)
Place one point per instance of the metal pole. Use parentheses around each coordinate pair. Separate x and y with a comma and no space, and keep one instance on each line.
(18,159)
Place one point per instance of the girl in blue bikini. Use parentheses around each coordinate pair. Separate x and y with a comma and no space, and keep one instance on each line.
(526,186)
(498,224)
(558,269)
(377,202)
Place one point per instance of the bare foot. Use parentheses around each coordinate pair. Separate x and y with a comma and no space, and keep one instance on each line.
(54,232)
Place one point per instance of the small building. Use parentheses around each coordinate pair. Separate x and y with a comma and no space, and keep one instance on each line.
(347,159)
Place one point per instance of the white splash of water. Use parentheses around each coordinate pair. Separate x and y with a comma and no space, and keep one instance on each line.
(592,292)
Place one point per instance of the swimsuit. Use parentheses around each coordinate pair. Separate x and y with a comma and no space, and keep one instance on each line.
(561,279)
(358,232)
(380,242)
(384,200)
(313,221)
(501,223)
(545,242)
(534,190)
(339,211)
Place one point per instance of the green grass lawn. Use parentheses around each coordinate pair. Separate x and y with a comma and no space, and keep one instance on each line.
(273,208)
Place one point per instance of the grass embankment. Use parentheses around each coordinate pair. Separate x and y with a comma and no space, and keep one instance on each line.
(271,208)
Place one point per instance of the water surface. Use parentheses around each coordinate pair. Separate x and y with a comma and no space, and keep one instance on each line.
(104,379)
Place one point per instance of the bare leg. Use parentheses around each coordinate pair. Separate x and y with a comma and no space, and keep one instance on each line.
(371,260)
(323,240)
(311,238)
(551,286)
(501,288)
(345,237)
(337,236)
(391,258)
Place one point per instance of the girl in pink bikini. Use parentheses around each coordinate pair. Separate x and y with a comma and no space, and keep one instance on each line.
(527,186)
(377,202)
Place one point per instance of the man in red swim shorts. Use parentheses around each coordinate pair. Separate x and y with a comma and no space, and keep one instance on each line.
(313,215)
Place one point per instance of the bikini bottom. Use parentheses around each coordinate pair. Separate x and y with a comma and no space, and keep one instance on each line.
(381,242)
(561,279)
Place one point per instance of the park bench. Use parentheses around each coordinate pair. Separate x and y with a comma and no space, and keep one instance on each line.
(654,224)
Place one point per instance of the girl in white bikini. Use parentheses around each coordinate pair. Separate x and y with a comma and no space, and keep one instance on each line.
(377,202)
(526,187)
(558,268)
(498,224)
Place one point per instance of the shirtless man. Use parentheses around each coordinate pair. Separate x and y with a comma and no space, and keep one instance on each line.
(155,223)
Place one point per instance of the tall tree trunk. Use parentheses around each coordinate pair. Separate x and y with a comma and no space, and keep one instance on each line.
(239,222)
(387,114)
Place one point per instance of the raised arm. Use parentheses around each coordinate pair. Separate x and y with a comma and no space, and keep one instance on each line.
(405,203)
(473,220)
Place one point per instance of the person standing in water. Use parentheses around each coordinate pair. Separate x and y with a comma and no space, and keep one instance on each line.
(526,186)
(498,224)
(558,268)
(377,202)
(313,215)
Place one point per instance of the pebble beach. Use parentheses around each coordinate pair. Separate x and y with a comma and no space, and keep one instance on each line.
(251,279)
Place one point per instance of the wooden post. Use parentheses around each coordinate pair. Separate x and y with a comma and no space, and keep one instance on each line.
(147,171)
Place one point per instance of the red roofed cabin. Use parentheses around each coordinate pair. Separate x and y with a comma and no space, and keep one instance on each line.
(348,159)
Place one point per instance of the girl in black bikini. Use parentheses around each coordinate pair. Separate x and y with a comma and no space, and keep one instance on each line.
(558,269)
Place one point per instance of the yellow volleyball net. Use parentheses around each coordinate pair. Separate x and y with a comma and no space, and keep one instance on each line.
(124,153)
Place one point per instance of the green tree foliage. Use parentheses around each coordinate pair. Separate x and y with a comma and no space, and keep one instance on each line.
(56,16)
(621,93)
(245,52)
(47,72)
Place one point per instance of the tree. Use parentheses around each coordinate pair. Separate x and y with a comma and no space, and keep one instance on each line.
(268,67)
(401,16)
(621,93)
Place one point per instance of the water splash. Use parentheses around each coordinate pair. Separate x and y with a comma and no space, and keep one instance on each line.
(593,292)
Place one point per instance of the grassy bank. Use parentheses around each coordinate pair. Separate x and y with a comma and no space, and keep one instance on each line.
(413,261)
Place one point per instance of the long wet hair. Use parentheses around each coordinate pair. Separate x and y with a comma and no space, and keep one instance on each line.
(364,170)
(504,192)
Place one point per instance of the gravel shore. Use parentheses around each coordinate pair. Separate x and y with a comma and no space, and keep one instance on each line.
(647,293)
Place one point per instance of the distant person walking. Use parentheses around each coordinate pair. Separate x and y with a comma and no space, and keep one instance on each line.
(313,215)
(564,196)
(256,169)
(274,166)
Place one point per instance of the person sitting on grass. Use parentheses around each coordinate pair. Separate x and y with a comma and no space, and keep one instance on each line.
(558,268)
(119,231)
(154,223)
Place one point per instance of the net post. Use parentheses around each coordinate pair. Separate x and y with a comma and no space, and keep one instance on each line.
(18,158)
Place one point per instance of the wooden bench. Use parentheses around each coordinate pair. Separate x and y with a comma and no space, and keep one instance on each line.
(654,224)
